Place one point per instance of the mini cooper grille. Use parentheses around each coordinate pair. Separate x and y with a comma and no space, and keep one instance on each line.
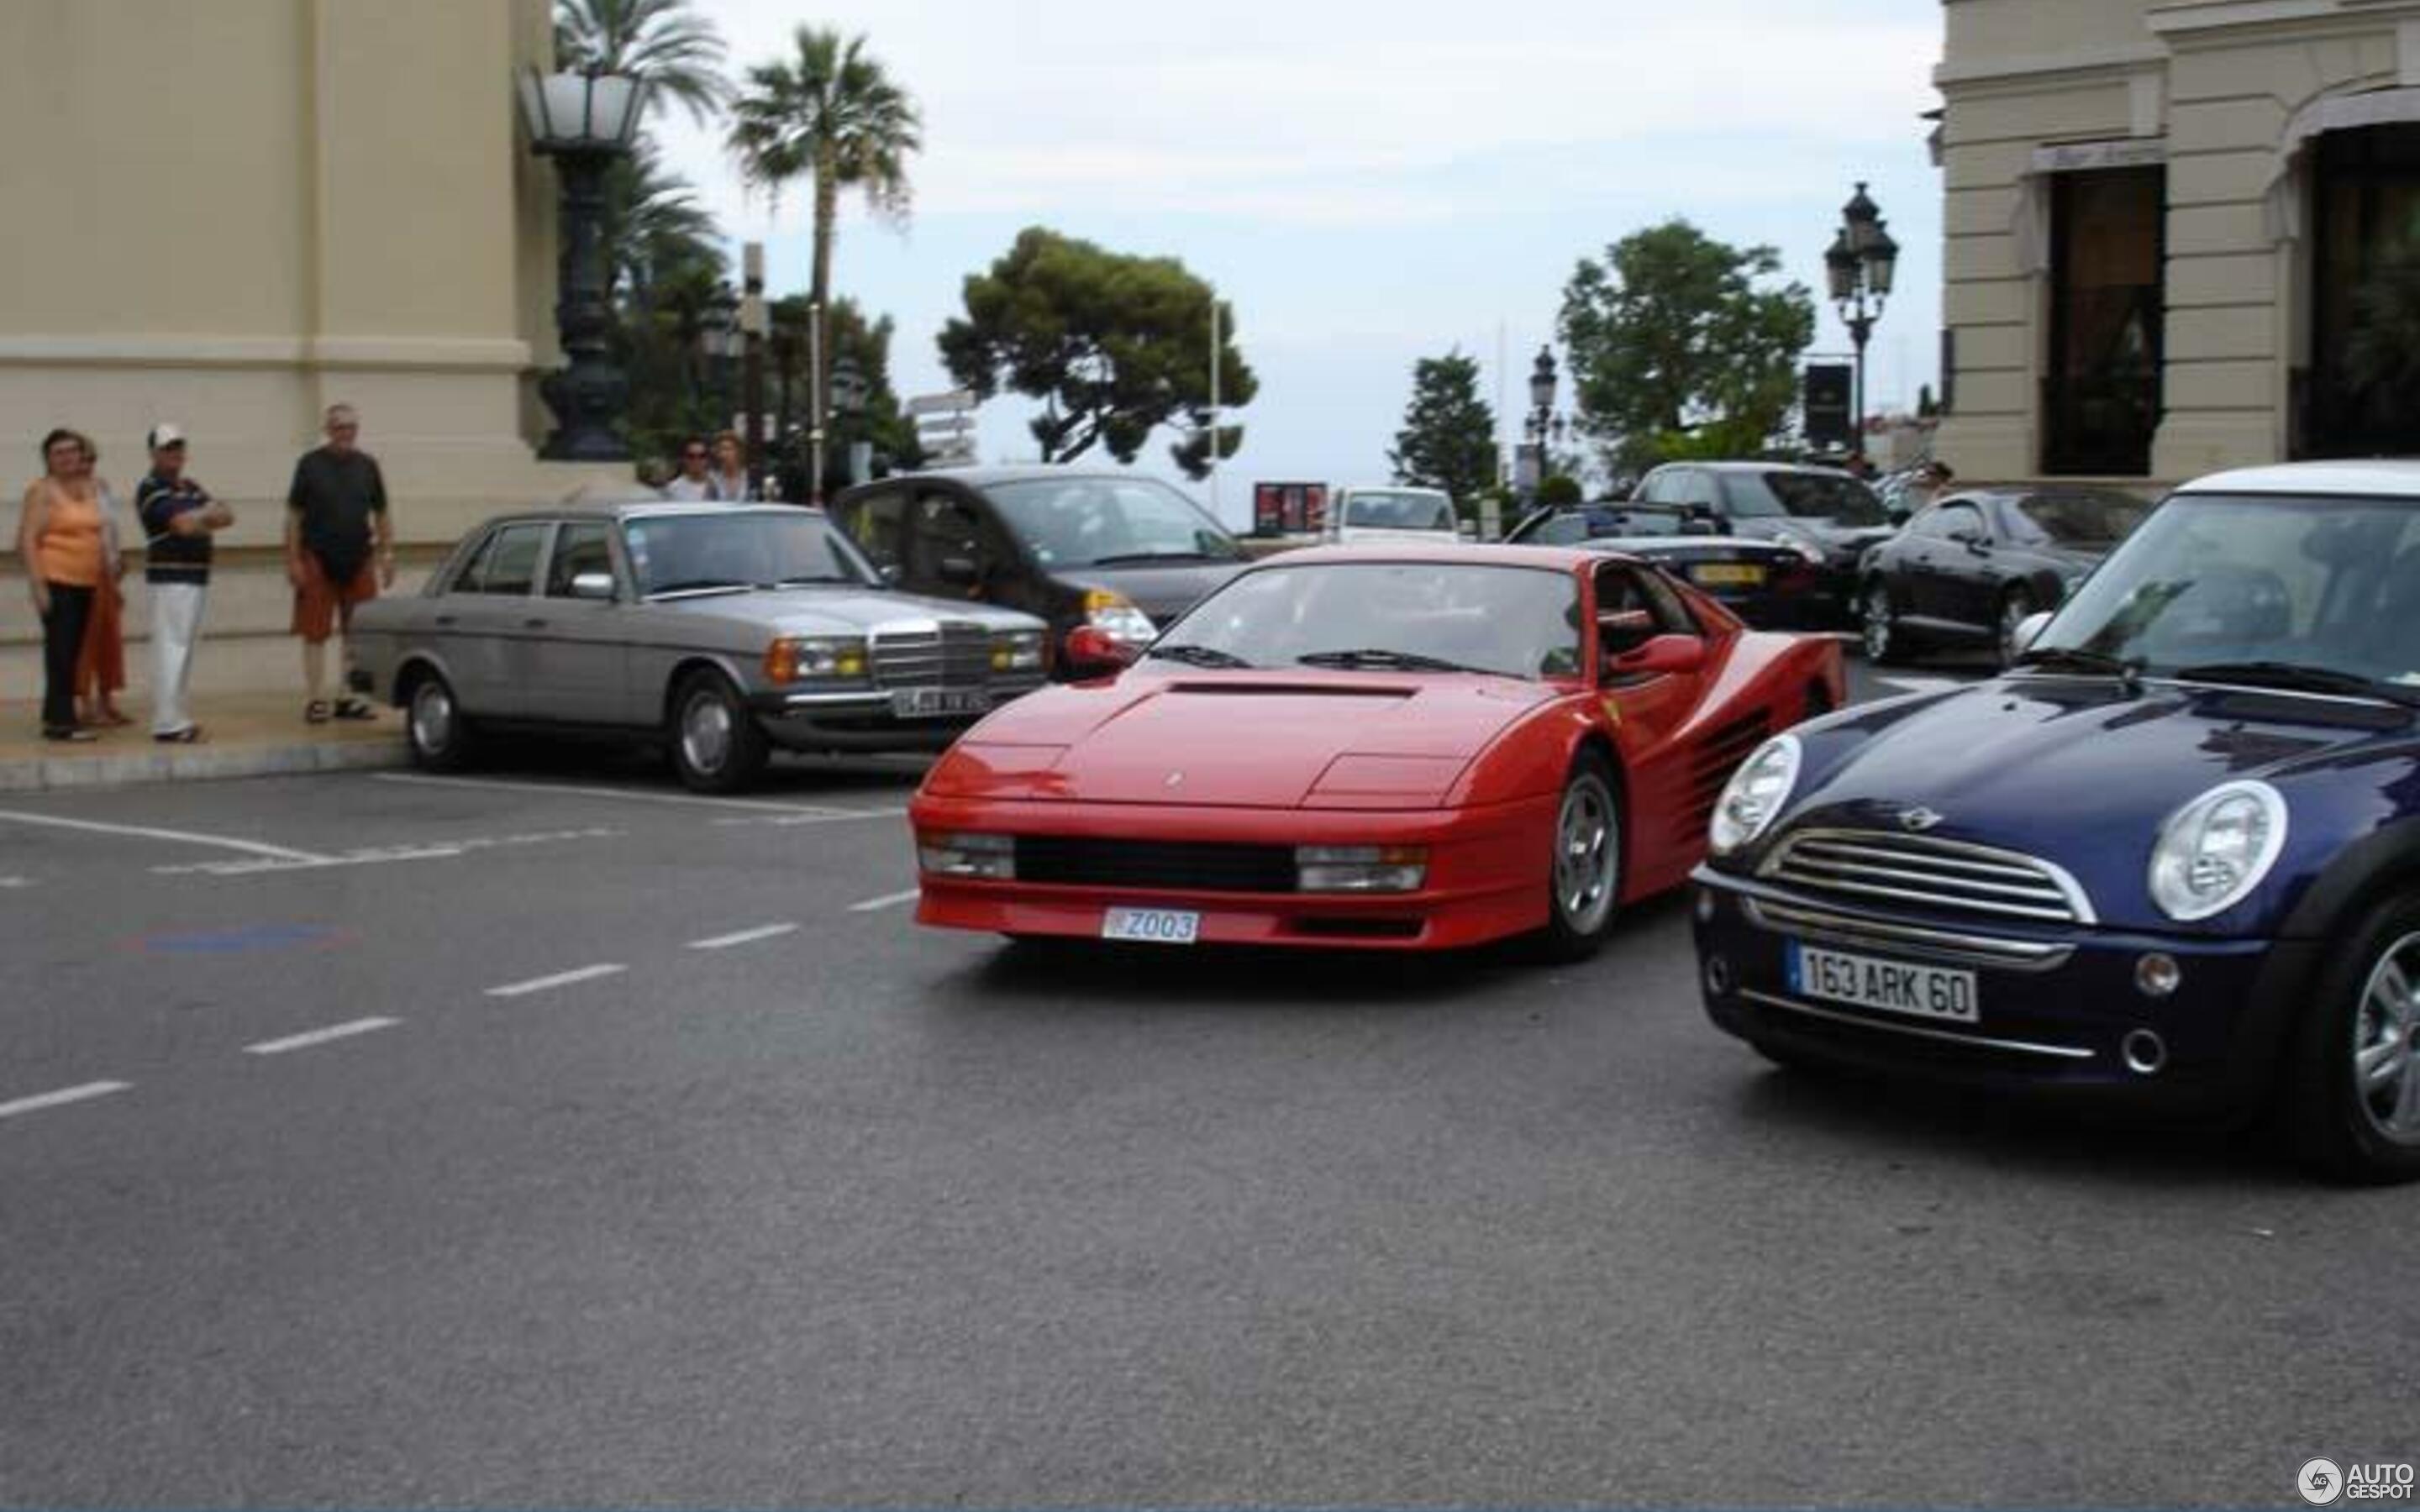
(1144,863)
(952,656)
(1918,872)
(1715,761)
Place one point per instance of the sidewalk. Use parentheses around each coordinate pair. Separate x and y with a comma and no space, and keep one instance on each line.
(249,735)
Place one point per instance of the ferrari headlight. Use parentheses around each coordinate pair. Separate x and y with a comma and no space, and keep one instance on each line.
(1114,614)
(1752,799)
(2215,850)
(990,857)
(1360,868)
(1018,650)
(801,658)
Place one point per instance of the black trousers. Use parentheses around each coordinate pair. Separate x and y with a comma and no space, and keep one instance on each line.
(63,630)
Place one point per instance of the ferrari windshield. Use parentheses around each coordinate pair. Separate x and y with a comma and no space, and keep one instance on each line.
(1096,522)
(1418,509)
(1402,616)
(709,550)
(2257,589)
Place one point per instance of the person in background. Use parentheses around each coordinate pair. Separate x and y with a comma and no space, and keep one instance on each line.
(729,483)
(696,483)
(61,538)
(100,666)
(339,552)
(179,516)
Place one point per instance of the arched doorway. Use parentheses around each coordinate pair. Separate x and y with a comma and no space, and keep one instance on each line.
(2360,390)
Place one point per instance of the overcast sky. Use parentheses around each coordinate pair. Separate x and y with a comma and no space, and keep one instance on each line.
(1366,182)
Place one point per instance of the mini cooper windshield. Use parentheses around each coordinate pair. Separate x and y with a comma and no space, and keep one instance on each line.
(741,550)
(1411,617)
(2318,595)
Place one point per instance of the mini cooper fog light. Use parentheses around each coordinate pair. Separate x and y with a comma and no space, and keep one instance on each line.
(2157,975)
(991,857)
(1705,905)
(1360,868)
(2145,1052)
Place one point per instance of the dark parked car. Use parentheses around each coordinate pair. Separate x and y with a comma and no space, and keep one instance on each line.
(1115,554)
(1772,585)
(1970,569)
(2172,860)
(1833,515)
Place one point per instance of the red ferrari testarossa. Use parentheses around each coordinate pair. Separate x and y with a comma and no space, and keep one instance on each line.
(1412,748)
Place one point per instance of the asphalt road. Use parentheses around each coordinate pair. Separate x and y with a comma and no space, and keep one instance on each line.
(554,1138)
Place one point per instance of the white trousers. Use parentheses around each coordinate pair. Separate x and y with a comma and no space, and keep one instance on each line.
(176,625)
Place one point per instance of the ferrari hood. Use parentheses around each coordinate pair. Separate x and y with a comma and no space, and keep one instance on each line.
(1238,739)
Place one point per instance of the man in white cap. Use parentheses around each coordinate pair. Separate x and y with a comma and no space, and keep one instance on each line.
(178,519)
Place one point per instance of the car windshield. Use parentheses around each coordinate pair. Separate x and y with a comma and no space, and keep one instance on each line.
(740,549)
(1084,522)
(2079,519)
(1409,511)
(2213,582)
(1514,622)
(1806,496)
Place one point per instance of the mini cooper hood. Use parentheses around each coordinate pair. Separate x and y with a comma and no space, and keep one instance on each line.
(2077,772)
(840,611)
(1275,739)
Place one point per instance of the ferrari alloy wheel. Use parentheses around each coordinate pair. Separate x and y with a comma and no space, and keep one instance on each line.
(2014,610)
(1586,863)
(1879,629)
(2351,1095)
(717,747)
(435,731)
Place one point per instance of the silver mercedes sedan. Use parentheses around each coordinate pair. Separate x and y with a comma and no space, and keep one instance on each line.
(721,631)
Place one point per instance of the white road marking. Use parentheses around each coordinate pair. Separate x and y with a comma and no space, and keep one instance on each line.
(827,817)
(305,1040)
(628,795)
(889,900)
(6,883)
(561,979)
(746,936)
(61,1098)
(250,847)
(382,855)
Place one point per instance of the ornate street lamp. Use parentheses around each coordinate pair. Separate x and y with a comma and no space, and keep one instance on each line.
(1543,380)
(1859,268)
(583,121)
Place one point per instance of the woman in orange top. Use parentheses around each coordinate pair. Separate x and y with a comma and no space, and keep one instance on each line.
(63,541)
(100,667)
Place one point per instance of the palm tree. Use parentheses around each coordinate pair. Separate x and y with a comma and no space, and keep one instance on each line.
(677,52)
(651,217)
(832,115)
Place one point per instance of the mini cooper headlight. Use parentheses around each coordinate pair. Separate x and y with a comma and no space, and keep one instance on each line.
(801,658)
(1018,650)
(1752,799)
(2215,850)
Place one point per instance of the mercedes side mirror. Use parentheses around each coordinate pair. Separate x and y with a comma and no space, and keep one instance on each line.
(891,574)
(597,586)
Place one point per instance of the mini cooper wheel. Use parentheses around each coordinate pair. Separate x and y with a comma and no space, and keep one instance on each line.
(2016,607)
(1584,874)
(435,731)
(1878,628)
(2353,1088)
(717,746)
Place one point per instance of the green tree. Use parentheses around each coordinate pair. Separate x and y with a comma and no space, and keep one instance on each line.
(1449,436)
(666,43)
(1113,345)
(831,116)
(651,220)
(1678,343)
(862,344)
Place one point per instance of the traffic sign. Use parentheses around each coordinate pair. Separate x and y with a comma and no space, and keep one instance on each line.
(937,404)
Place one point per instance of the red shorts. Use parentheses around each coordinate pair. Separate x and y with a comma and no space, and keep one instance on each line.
(315,601)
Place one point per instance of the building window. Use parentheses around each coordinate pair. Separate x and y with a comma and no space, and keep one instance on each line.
(2100,399)
(2359,396)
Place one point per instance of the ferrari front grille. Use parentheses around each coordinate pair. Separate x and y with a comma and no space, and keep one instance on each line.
(1180,866)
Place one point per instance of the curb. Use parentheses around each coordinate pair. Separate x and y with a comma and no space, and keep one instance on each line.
(197,764)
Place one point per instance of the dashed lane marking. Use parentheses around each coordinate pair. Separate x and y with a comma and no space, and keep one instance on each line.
(620,794)
(383,854)
(745,936)
(182,837)
(334,1031)
(561,979)
(61,1098)
(889,900)
(830,817)
(8,882)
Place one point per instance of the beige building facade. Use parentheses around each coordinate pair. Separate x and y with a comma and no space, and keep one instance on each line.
(2164,219)
(231,214)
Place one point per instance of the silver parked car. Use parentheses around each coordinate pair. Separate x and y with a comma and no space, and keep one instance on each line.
(720,630)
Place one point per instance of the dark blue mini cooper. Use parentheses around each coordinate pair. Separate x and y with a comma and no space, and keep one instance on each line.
(2173,857)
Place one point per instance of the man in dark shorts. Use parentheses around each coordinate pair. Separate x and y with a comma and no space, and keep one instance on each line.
(339,552)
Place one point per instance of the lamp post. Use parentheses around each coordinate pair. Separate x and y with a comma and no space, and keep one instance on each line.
(754,323)
(1543,378)
(1860,267)
(583,121)
(851,395)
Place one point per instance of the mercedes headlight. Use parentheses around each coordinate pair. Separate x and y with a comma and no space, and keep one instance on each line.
(2215,850)
(1752,799)
(1017,650)
(799,659)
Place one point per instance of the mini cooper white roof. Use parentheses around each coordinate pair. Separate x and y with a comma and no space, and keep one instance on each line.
(2374,478)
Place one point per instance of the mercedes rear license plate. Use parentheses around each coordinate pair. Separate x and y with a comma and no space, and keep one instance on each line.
(1893,986)
(1728,575)
(1153,926)
(939,702)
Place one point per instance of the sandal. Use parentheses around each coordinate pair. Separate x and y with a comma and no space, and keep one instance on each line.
(354,709)
(189,735)
(315,711)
